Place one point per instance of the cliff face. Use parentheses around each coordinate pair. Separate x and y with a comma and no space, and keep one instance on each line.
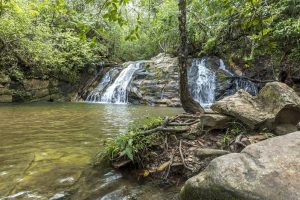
(30,89)
(158,82)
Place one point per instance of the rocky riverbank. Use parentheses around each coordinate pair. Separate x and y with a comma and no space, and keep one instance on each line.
(28,88)
(235,147)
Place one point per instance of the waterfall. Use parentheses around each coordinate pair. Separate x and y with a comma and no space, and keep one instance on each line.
(202,83)
(95,95)
(239,82)
(117,92)
(223,67)
(248,86)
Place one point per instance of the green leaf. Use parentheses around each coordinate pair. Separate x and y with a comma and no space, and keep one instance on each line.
(128,152)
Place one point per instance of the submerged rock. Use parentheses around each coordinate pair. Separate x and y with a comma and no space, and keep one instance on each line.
(265,170)
(275,102)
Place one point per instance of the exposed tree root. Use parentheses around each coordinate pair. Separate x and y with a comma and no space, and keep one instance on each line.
(175,158)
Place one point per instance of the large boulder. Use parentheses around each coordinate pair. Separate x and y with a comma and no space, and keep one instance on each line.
(272,102)
(268,170)
(157,82)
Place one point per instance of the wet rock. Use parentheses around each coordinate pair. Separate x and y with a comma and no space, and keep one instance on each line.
(60,196)
(266,170)
(205,153)
(261,111)
(149,85)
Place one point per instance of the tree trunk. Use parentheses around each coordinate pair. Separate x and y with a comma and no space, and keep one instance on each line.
(188,103)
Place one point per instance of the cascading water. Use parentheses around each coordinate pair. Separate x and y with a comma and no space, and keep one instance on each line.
(117,92)
(239,82)
(246,85)
(223,67)
(204,80)
(202,83)
(95,95)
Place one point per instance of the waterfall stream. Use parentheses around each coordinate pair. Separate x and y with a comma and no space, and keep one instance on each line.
(117,92)
(95,95)
(202,83)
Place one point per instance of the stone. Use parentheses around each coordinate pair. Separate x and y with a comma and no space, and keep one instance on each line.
(261,112)
(5,98)
(276,95)
(5,90)
(243,107)
(149,84)
(41,93)
(214,121)
(35,84)
(298,126)
(283,129)
(268,170)
(205,153)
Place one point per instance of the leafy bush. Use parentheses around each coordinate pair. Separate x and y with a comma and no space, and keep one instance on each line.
(133,144)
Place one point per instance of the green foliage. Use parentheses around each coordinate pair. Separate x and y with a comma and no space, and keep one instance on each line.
(50,38)
(232,132)
(60,38)
(132,145)
(152,122)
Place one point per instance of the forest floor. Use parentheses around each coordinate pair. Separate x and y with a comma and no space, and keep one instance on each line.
(185,149)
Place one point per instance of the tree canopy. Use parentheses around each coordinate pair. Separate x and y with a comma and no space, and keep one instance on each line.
(61,38)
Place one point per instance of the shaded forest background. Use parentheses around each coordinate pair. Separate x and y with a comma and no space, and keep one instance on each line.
(62,38)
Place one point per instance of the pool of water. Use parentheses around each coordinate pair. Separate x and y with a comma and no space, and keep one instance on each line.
(46,151)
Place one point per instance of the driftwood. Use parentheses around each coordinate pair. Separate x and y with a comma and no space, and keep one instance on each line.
(182,157)
(183,124)
(163,127)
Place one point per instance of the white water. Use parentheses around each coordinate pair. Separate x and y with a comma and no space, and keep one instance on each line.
(117,92)
(246,85)
(95,95)
(223,67)
(201,79)
(202,83)
(240,83)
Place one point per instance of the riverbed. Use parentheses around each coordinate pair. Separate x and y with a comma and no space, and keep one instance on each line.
(47,151)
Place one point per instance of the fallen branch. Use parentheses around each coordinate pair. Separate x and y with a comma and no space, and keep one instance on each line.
(183,124)
(171,162)
(162,129)
(164,124)
(182,157)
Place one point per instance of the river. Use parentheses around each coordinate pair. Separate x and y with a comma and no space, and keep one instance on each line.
(47,151)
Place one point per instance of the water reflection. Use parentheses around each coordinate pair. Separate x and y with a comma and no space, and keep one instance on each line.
(46,150)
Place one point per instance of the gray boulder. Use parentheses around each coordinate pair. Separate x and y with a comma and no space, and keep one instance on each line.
(268,170)
(264,111)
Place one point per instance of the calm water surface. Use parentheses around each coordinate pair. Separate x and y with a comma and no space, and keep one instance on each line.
(46,151)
